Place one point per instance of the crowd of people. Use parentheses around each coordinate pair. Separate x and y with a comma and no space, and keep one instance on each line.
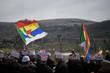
(41,62)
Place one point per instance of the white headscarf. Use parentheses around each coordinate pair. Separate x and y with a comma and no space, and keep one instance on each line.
(25,59)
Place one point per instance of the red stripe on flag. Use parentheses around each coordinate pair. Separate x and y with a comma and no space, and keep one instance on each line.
(23,23)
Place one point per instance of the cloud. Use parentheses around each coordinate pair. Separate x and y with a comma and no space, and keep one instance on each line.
(12,10)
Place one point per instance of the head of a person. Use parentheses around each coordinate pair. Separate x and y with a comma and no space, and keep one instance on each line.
(73,52)
(71,57)
(25,59)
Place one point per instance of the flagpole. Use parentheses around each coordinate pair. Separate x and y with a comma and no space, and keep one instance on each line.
(25,47)
(59,37)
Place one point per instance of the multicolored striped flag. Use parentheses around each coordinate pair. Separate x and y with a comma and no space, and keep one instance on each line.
(29,30)
(85,43)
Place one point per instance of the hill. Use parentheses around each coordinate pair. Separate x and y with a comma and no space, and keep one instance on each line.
(62,33)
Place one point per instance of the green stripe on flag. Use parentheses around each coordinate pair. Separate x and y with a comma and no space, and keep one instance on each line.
(24,29)
(82,39)
(21,34)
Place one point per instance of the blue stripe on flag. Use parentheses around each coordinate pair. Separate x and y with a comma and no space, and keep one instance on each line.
(88,56)
(25,36)
(37,31)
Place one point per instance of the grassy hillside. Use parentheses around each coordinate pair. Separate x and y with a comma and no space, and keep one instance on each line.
(62,33)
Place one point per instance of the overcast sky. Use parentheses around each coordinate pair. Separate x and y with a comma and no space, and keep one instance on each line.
(14,10)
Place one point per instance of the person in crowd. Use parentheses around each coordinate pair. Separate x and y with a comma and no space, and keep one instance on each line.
(107,56)
(61,66)
(23,53)
(41,66)
(58,56)
(74,65)
(50,62)
(25,60)
(1,56)
(98,59)
(84,65)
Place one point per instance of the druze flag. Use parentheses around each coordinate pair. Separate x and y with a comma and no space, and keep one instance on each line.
(85,43)
(29,30)
(84,38)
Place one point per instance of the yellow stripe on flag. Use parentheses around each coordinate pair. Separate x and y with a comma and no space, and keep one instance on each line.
(31,27)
